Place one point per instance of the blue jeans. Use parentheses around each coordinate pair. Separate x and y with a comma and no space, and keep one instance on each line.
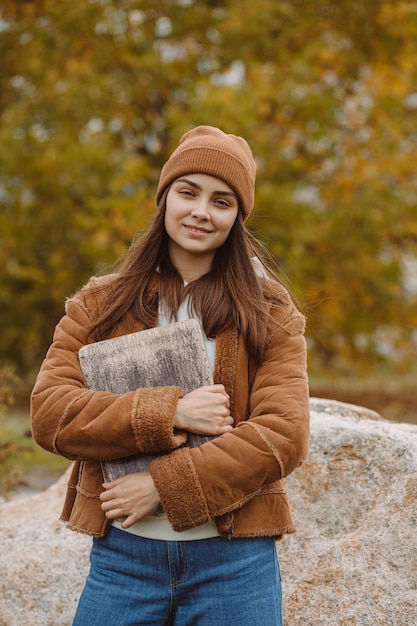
(207,582)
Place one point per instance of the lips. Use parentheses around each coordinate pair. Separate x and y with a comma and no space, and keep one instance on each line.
(197,230)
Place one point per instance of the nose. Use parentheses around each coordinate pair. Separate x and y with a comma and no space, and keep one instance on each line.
(200,209)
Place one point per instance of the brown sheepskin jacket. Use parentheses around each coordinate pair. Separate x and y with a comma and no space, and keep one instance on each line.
(237,478)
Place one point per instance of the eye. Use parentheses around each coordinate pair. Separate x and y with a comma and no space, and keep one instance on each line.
(186,192)
(223,203)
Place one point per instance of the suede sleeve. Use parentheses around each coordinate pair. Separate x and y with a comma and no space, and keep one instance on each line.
(70,420)
(269,445)
(180,491)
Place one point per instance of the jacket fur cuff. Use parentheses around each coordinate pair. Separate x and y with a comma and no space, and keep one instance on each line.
(152,419)
(179,489)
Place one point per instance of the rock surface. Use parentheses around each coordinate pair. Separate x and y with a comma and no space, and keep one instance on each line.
(43,564)
(353,561)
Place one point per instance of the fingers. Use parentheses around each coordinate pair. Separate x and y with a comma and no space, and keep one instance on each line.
(205,410)
(111,503)
(218,388)
(118,514)
(130,498)
(130,520)
(222,396)
(223,410)
(113,510)
(224,428)
(221,424)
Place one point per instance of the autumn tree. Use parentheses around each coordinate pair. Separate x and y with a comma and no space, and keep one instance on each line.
(94,96)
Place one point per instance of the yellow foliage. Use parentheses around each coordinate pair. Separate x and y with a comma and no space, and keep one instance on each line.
(95,95)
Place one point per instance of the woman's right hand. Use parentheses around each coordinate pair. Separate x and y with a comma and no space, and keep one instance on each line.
(204,411)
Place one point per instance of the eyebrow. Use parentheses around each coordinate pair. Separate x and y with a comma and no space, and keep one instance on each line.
(223,192)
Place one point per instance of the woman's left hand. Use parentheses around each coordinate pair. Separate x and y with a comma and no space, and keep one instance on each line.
(131,497)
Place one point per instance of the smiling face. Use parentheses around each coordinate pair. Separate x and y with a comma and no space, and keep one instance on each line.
(200,213)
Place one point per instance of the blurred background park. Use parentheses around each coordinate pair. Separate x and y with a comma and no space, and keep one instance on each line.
(94,95)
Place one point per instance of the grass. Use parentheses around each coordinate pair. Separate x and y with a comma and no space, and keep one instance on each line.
(29,467)
(391,393)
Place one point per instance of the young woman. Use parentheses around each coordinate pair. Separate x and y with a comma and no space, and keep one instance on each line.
(197,542)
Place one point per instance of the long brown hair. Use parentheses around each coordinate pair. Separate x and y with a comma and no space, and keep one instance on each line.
(230,295)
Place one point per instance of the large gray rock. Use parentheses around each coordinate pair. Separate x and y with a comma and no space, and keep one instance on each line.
(43,565)
(353,561)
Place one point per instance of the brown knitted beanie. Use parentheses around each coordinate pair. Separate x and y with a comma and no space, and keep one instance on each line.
(208,150)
